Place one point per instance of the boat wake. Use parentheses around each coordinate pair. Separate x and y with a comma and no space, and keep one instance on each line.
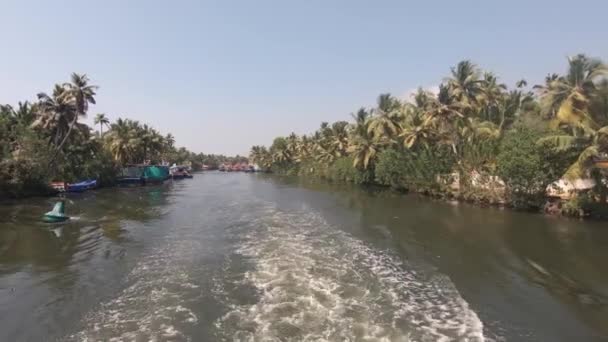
(152,307)
(315,282)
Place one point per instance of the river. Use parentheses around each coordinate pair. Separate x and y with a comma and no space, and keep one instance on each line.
(247,257)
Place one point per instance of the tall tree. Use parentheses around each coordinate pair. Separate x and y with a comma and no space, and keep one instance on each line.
(82,94)
(55,115)
(101,120)
(567,98)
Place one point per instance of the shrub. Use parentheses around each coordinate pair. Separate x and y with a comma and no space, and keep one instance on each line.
(422,169)
(22,177)
(527,168)
(343,170)
(391,168)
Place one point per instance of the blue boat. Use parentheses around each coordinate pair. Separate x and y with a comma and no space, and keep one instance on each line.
(82,186)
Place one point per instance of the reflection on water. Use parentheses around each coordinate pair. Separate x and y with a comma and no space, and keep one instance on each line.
(48,264)
(257,257)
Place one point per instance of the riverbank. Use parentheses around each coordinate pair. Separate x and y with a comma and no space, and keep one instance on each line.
(474,140)
(44,141)
(483,194)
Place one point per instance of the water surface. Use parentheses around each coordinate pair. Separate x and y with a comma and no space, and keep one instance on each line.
(241,257)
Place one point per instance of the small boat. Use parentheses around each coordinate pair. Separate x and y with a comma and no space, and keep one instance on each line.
(57,214)
(82,186)
(58,186)
(179,172)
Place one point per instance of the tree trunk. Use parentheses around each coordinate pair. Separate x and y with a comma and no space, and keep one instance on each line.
(65,139)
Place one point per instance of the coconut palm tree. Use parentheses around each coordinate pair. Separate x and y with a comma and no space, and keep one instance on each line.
(570,99)
(414,129)
(101,120)
(82,94)
(55,115)
(386,117)
(122,140)
(465,83)
(364,149)
(422,99)
(490,98)
(170,140)
(446,118)
(24,114)
(339,138)
(567,98)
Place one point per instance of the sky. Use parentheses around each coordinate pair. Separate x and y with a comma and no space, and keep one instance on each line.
(222,76)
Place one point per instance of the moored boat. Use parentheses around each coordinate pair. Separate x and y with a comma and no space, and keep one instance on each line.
(179,172)
(58,186)
(140,175)
(82,186)
(156,174)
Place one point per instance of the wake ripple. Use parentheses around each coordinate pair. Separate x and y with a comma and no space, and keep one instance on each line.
(152,307)
(316,282)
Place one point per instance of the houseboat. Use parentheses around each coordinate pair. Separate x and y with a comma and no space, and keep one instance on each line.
(139,175)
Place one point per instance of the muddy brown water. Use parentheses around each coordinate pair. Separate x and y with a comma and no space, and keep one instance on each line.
(247,257)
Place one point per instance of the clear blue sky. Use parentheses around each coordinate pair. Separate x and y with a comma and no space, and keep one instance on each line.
(224,75)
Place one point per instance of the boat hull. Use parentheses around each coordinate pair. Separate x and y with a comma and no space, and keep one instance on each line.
(82,186)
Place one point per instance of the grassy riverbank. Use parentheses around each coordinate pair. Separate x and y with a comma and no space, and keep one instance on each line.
(44,141)
(472,139)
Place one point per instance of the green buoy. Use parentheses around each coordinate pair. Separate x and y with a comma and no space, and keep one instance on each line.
(57,214)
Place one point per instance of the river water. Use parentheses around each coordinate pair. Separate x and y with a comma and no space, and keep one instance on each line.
(243,257)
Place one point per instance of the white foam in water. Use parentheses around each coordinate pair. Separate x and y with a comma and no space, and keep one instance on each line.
(318,283)
(149,308)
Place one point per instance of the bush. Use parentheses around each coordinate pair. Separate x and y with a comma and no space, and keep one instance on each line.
(343,170)
(391,169)
(422,169)
(528,168)
(22,177)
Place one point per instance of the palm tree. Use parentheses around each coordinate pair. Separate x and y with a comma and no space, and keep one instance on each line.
(339,138)
(570,100)
(81,94)
(592,146)
(170,140)
(386,117)
(567,97)
(101,120)
(490,97)
(446,118)
(122,141)
(24,114)
(55,115)
(423,99)
(362,145)
(414,129)
(465,83)
(364,148)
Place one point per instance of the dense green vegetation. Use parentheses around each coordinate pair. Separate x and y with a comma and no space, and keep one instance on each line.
(474,139)
(44,141)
